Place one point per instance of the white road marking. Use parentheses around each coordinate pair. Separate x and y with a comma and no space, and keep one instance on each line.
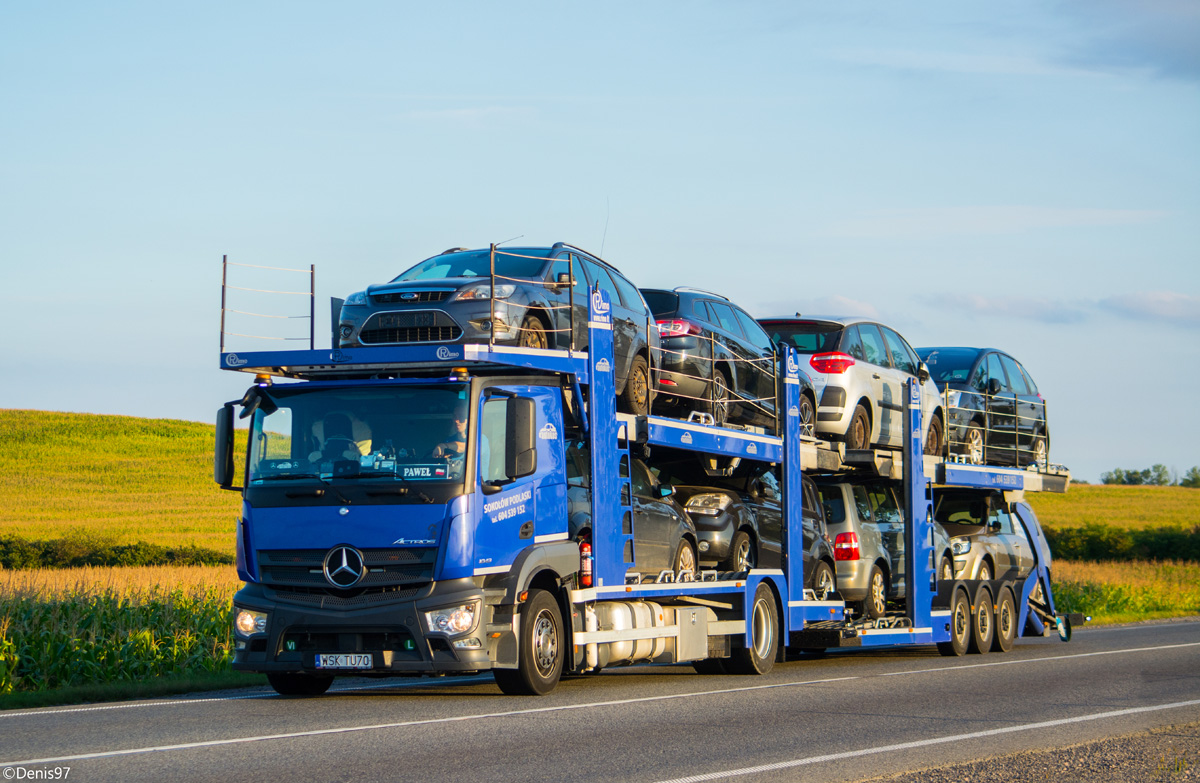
(927,742)
(405,724)
(1039,660)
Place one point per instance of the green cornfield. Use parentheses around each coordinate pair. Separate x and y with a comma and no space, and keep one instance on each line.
(52,639)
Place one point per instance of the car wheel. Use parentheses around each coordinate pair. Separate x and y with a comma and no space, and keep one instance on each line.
(1006,622)
(533,334)
(540,651)
(960,626)
(981,623)
(742,554)
(985,572)
(685,559)
(875,604)
(718,399)
(858,436)
(973,445)
(1039,451)
(635,397)
(808,416)
(762,637)
(933,440)
(298,684)
(824,581)
(946,570)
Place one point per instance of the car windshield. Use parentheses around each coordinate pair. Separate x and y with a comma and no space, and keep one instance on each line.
(804,336)
(661,302)
(399,433)
(949,365)
(477,263)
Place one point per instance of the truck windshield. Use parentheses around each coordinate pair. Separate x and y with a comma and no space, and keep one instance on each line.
(392,433)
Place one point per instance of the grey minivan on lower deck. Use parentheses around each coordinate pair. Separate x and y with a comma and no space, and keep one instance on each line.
(988,542)
(865,518)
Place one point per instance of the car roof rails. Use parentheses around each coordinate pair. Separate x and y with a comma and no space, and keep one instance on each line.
(587,253)
(702,291)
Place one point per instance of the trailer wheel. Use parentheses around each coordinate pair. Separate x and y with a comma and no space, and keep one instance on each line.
(982,628)
(540,656)
(298,684)
(1006,622)
(960,626)
(875,604)
(762,643)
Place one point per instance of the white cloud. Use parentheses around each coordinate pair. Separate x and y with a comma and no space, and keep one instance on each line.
(954,62)
(1180,309)
(1021,308)
(944,221)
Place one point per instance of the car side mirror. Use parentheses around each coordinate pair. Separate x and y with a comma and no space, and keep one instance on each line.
(993,387)
(520,452)
(666,491)
(564,278)
(922,372)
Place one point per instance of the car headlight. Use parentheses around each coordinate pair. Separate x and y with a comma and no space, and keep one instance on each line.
(356,299)
(953,398)
(484,291)
(248,622)
(709,504)
(960,546)
(453,620)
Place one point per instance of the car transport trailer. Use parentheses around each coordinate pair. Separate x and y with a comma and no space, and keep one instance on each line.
(362,555)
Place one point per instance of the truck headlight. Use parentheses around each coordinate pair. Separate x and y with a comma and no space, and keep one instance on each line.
(484,291)
(960,546)
(709,504)
(247,622)
(453,620)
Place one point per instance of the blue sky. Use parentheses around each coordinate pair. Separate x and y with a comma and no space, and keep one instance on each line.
(1024,176)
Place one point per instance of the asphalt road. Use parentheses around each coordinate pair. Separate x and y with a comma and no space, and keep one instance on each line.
(845,717)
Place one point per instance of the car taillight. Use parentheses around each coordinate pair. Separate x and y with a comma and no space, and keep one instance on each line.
(836,362)
(676,327)
(845,547)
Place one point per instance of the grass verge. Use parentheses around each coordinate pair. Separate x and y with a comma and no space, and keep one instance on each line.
(1122,592)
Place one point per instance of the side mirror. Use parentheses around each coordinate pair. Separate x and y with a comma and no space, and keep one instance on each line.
(666,491)
(993,387)
(223,452)
(564,278)
(520,452)
(922,372)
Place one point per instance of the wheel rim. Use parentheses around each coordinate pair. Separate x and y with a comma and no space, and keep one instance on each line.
(975,446)
(762,628)
(532,335)
(961,621)
(545,642)
(720,394)
(641,387)
(983,621)
(806,417)
(687,560)
(1004,620)
(947,571)
(859,434)
(824,583)
(878,594)
(933,443)
(742,558)
(1039,452)
(985,573)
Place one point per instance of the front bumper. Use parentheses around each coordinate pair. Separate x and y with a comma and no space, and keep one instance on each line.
(393,632)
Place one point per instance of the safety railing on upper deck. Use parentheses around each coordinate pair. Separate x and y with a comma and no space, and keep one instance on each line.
(269,296)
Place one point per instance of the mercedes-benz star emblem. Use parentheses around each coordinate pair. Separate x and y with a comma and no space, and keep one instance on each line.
(344,566)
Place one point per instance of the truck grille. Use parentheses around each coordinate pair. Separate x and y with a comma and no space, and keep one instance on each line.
(385,568)
(406,297)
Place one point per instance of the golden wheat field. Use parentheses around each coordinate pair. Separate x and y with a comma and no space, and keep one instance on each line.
(1118,506)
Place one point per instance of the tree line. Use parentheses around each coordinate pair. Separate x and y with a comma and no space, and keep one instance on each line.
(1155,475)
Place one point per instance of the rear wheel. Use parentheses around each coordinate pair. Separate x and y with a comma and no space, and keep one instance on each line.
(635,397)
(858,436)
(742,554)
(718,398)
(533,334)
(1006,622)
(685,559)
(808,416)
(298,684)
(762,637)
(540,649)
(960,626)
(875,604)
(824,581)
(933,440)
(945,570)
(982,628)
(1039,451)
(985,572)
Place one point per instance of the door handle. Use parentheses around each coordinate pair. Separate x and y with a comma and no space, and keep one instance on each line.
(876,376)
(526,530)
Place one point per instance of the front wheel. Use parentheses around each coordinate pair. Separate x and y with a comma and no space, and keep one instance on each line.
(540,649)
(298,684)
(960,626)
(824,581)
(718,398)
(875,604)
(1039,451)
(946,570)
(533,334)
(973,445)
(742,556)
(685,559)
(762,637)
(808,416)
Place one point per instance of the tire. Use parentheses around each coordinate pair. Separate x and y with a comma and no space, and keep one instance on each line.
(533,334)
(1006,622)
(541,649)
(743,555)
(1039,454)
(808,416)
(933,440)
(758,656)
(972,447)
(875,604)
(985,572)
(298,684)
(824,580)
(717,402)
(945,570)
(960,626)
(858,435)
(685,558)
(982,625)
(710,666)
(635,397)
